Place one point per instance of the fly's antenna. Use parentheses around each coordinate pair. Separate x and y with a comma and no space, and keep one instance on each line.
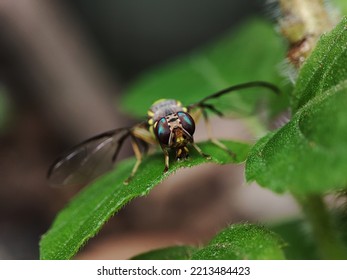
(234,88)
(267,85)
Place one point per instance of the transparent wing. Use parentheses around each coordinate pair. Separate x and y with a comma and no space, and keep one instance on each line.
(88,160)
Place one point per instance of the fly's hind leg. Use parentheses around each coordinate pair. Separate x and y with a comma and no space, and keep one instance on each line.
(142,134)
(138,156)
(213,139)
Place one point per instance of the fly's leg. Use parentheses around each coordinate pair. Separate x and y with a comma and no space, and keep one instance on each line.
(196,147)
(138,156)
(213,139)
(166,159)
(145,147)
(142,134)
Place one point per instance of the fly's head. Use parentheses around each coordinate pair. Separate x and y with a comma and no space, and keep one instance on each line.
(175,131)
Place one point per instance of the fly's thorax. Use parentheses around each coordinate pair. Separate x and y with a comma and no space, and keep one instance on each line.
(164,107)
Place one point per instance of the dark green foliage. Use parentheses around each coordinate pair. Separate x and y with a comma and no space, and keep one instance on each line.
(298,239)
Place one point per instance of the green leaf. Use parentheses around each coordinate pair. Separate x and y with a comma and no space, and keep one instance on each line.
(308,154)
(325,68)
(298,239)
(170,253)
(341,5)
(250,53)
(91,208)
(243,242)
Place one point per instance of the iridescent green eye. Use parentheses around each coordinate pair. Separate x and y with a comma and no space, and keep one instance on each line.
(162,131)
(187,122)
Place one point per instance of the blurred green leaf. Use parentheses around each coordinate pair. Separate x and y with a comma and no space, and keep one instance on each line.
(253,52)
(298,239)
(93,206)
(341,5)
(308,154)
(170,253)
(243,242)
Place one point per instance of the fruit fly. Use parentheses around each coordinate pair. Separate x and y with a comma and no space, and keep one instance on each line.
(169,124)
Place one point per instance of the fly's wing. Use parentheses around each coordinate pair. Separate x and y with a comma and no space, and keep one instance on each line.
(88,160)
(216,104)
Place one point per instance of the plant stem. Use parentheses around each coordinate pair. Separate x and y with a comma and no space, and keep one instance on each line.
(301,23)
(329,244)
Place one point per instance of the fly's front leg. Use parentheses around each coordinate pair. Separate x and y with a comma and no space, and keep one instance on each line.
(138,156)
(197,148)
(213,139)
(166,159)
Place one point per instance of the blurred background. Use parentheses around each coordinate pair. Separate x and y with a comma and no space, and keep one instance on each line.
(63,68)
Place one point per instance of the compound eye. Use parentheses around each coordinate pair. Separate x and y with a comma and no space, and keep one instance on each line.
(187,122)
(162,131)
